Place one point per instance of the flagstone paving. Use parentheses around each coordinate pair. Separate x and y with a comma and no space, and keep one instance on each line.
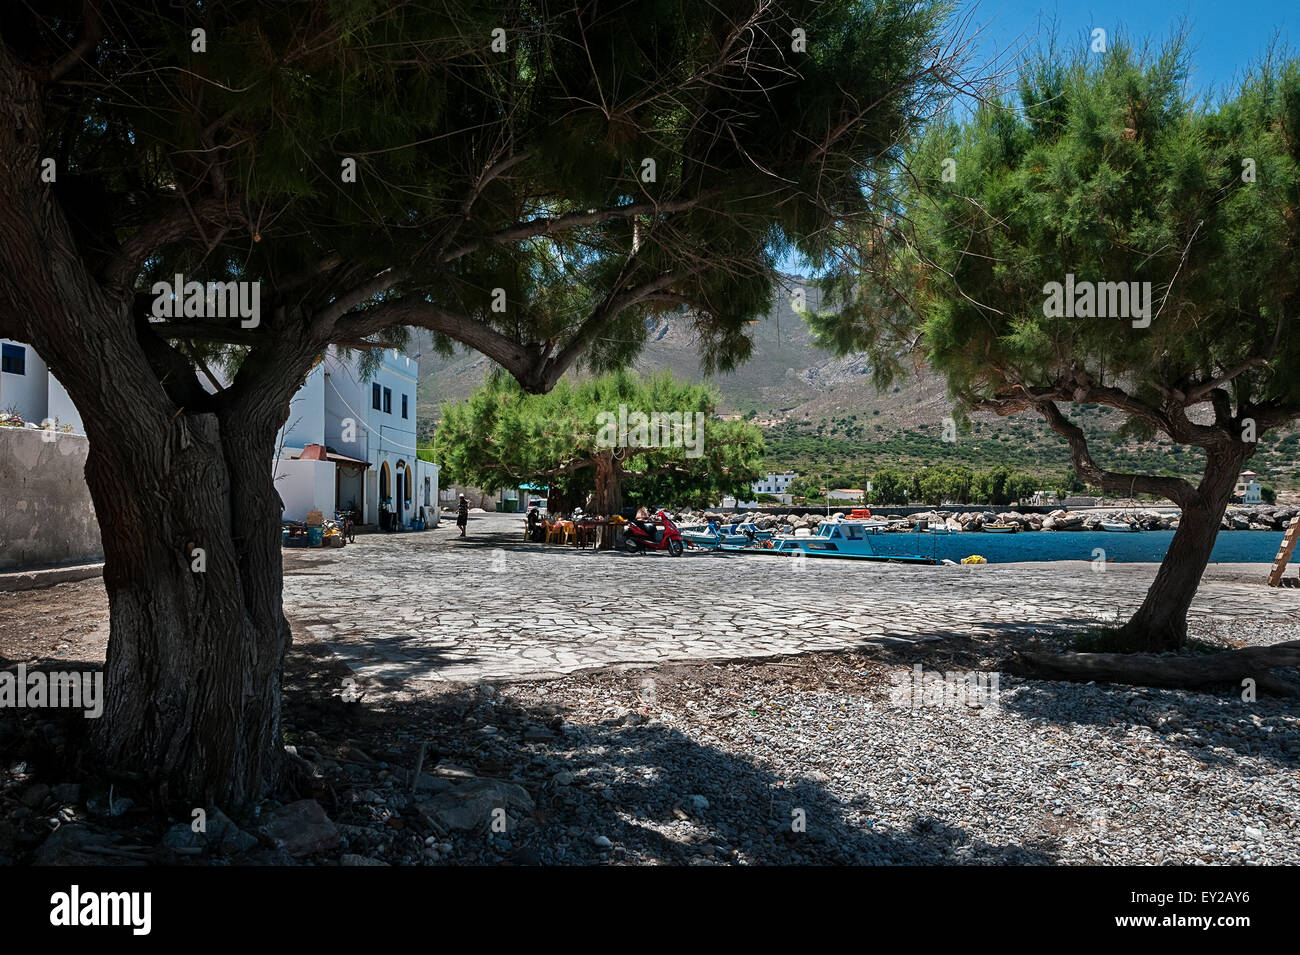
(419,608)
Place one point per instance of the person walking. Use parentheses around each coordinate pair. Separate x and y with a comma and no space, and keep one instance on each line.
(462,514)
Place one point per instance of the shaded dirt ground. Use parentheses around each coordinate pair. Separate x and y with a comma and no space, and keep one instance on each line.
(703,762)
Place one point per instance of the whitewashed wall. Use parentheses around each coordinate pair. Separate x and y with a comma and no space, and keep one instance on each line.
(305,486)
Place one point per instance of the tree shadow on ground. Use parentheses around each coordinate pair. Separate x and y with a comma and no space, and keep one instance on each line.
(631,796)
(1214,725)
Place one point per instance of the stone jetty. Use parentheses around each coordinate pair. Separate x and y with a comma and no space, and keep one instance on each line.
(1250,517)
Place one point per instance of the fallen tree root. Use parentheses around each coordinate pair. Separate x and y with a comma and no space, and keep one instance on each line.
(1181,672)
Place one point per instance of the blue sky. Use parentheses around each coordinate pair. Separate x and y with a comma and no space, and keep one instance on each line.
(1225,34)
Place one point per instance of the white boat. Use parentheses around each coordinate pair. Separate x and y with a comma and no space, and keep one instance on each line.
(713,535)
(1118,527)
(1001,528)
(702,535)
(947,527)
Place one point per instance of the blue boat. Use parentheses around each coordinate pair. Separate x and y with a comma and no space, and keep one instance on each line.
(702,535)
(842,539)
(736,535)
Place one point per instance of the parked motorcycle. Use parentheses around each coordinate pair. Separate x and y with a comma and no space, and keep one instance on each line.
(664,536)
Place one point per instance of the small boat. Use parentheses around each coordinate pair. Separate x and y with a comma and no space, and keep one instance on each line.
(845,539)
(713,535)
(741,534)
(701,535)
(1002,527)
(947,527)
(1118,527)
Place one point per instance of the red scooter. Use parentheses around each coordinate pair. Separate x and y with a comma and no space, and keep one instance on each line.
(637,538)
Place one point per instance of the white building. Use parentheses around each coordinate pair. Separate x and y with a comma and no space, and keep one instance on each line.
(1248,489)
(775,485)
(854,495)
(347,444)
(29,390)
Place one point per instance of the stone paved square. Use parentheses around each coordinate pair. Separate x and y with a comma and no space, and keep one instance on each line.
(414,609)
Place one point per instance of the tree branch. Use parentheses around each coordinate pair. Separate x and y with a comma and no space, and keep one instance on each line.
(91,30)
(1200,392)
(417,313)
(1043,400)
(548,224)
(554,367)
(118,275)
(1176,489)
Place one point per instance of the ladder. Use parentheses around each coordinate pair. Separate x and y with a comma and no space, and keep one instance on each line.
(1284,552)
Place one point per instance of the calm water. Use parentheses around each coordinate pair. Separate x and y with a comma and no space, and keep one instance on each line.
(1230,547)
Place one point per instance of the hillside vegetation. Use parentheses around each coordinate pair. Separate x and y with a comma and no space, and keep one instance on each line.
(823,415)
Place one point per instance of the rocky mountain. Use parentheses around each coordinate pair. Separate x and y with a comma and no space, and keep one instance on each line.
(820,410)
(787,378)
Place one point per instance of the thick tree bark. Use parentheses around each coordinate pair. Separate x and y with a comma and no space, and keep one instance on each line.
(1161,622)
(608,499)
(192,569)
(192,688)
(1170,671)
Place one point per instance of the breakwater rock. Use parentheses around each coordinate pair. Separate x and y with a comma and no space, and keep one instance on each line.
(957,520)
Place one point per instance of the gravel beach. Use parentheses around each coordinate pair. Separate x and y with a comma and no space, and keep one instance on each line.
(719,763)
(592,738)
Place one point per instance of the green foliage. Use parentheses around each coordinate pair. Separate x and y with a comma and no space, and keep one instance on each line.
(1022,444)
(888,486)
(1108,173)
(934,485)
(502,436)
(459,147)
(807,489)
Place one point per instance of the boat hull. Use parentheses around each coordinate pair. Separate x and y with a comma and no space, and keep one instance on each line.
(832,555)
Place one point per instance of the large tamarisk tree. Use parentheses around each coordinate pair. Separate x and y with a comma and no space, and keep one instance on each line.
(532,181)
(1019,268)
(655,438)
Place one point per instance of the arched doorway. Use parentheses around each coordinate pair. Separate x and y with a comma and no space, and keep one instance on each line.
(403,496)
(385,492)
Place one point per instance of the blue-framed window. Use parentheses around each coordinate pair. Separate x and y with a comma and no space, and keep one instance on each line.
(403,406)
(13,359)
(388,401)
(374,397)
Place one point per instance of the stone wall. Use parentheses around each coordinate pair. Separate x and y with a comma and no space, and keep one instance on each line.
(46,517)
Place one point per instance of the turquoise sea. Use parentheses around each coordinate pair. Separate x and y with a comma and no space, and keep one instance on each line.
(1231,546)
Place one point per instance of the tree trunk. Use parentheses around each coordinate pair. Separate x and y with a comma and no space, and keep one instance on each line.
(183,490)
(1185,672)
(193,574)
(1161,622)
(608,499)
